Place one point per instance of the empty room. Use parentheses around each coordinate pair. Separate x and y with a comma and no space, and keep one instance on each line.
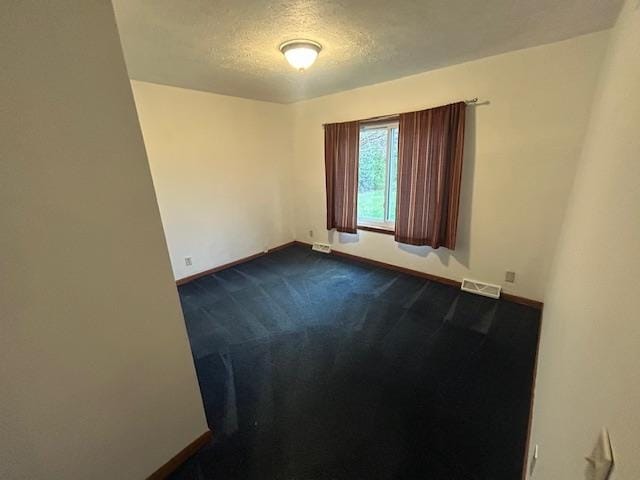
(320,240)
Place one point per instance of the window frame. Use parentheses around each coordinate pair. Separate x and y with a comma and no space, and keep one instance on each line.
(374,225)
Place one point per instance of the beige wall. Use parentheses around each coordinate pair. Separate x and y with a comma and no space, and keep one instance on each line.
(589,368)
(255,170)
(521,152)
(96,374)
(220,170)
(97,380)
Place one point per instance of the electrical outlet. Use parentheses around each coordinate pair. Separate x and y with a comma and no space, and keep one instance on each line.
(187,261)
(311,233)
(510,277)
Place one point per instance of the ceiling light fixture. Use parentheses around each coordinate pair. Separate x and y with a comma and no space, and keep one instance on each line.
(300,53)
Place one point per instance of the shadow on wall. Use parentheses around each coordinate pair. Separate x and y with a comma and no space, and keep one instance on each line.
(343,237)
(463,243)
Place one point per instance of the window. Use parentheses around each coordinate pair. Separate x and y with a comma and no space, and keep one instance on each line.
(378,175)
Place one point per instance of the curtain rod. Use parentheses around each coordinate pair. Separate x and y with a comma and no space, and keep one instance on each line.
(470,101)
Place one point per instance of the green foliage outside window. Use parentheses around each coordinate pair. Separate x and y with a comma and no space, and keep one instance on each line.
(373,152)
(372,173)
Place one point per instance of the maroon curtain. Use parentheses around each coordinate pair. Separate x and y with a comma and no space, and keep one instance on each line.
(341,143)
(429,174)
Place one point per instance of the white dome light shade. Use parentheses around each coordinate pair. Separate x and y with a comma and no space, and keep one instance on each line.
(300,53)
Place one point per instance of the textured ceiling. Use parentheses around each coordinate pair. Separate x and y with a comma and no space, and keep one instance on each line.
(231,46)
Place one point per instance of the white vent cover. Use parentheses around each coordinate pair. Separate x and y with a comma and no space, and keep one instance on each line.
(481,288)
(321,247)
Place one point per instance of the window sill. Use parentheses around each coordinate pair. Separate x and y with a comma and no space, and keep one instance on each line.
(377,229)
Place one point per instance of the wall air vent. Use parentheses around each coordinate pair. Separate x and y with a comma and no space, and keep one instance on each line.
(481,288)
(321,247)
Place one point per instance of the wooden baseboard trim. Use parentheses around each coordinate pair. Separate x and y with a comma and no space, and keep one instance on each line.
(284,245)
(182,456)
(195,276)
(428,276)
(522,300)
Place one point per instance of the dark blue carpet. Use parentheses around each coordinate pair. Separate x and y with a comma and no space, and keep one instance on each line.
(314,367)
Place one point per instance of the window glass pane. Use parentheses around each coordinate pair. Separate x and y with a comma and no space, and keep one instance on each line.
(372,173)
(393,174)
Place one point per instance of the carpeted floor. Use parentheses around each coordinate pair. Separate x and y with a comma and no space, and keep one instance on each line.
(314,367)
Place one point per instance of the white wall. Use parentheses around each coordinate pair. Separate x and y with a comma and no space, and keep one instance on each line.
(521,152)
(97,380)
(589,368)
(220,169)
